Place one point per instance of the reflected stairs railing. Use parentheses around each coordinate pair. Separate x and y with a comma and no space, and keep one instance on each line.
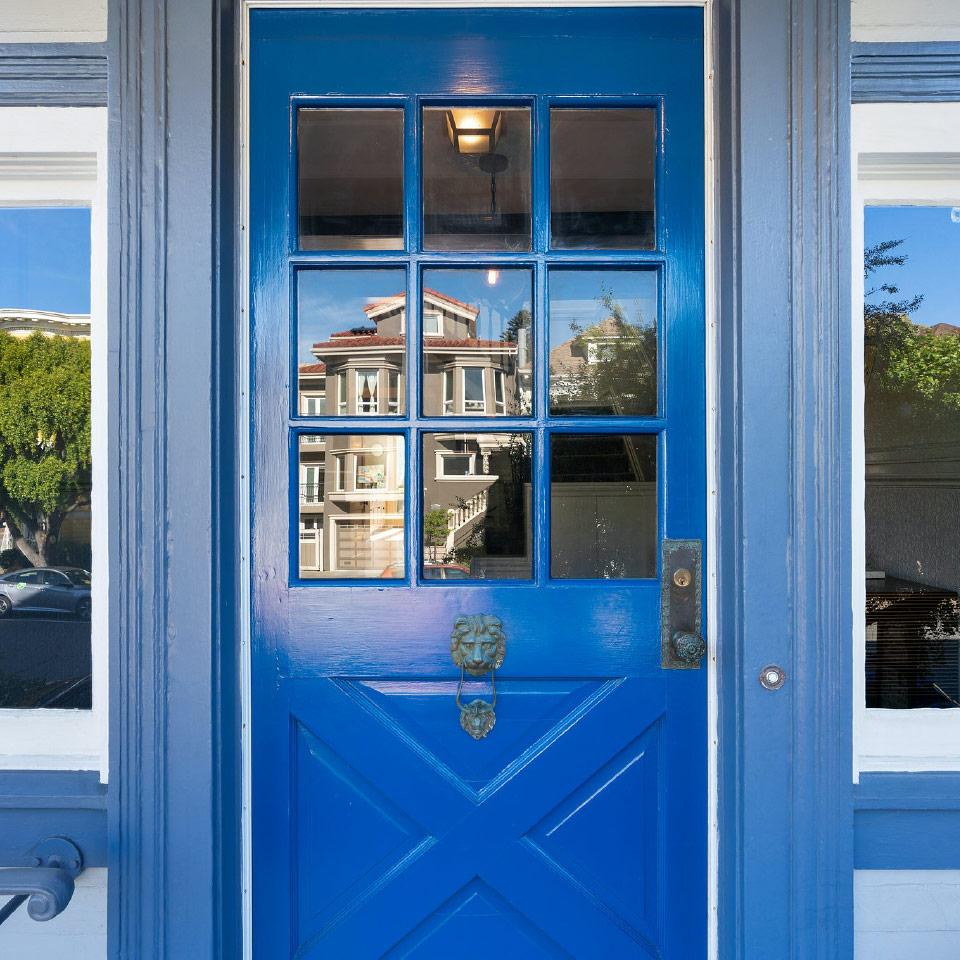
(464,513)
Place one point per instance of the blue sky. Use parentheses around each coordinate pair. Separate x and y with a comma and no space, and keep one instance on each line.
(332,300)
(576,296)
(45,258)
(931,238)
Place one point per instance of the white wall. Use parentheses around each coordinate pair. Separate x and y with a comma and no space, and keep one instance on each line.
(53,21)
(907,914)
(904,20)
(79,933)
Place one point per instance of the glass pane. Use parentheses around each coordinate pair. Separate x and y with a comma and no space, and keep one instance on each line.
(351,506)
(603,342)
(350,179)
(477,348)
(601,177)
(476,179)
(351,342)
(603,506)
(45,414)
(476,506)
(912,426)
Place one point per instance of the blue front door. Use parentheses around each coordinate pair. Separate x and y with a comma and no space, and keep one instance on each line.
(477,364)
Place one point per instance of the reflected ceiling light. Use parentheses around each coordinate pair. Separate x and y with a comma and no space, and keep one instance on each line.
(492,277)
(473,130)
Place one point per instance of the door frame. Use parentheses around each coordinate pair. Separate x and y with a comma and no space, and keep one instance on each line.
(784,797)
(710,405)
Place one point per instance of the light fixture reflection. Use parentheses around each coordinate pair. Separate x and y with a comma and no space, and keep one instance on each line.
(492,277)
(473,130)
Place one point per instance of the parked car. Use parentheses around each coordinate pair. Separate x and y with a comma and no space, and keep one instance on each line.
(46,590)
(431,571)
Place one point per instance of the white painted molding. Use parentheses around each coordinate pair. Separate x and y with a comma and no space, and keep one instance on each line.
(53,21)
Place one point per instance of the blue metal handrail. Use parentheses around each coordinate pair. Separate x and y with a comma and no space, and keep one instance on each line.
(47,885)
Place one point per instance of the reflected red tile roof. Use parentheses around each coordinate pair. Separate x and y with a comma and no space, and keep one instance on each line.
(371,341)
(360,332)
(401,297)
(313,368)
(945,330)
(374,340)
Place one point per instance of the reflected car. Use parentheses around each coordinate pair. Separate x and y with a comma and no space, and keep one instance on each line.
(431,571)
(46,590)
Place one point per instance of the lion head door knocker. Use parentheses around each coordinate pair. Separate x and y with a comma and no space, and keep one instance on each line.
(478,646)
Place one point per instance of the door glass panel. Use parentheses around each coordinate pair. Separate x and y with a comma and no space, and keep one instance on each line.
(603,506)
(351,342)
(601,177)
(912,439)
(350,194)
(477,346)
(476,178)
(603,342)
(351,506)
(476,506)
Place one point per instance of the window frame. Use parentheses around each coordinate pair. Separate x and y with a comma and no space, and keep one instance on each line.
(482,412)
(433,313)
(60,158)
(358,371)
(895,162)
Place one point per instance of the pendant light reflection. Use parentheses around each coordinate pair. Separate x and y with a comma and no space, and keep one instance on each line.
(492,277)
(473,130)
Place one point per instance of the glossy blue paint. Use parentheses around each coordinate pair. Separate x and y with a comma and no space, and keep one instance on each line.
(907,821)
(578,827)
(905,72)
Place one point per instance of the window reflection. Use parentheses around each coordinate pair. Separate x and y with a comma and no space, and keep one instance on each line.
(477,348)
(476,179)
(351,342)
(603,506)
(351,506)
(350,179)
(601,177)
(912,439)
(476,506)
(603,342)
(45,458)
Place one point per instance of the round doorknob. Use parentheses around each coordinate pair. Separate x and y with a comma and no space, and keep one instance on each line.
(689,647)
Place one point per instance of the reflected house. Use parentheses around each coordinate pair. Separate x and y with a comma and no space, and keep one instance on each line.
(351,486)
(22,323)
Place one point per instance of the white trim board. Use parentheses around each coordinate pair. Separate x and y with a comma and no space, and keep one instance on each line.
(901,154)
(711,238)
(57,156)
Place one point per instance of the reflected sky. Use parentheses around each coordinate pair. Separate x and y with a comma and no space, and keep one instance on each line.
(577,299)
(45,258)
(931,238)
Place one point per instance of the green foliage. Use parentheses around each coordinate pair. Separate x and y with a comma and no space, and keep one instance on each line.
(520,320)
(435,527)
(911,374)
(45,461)
(622,377)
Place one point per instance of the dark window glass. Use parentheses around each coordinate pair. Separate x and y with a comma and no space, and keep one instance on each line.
(477,349)
(603,506)
(603,342)
(601,177)
(912,440)
(350,179)
(351,506)
(45,329)
(476,179)
(476,506)
(351,342)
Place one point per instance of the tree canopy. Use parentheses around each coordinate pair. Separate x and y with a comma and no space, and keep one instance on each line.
(45,460)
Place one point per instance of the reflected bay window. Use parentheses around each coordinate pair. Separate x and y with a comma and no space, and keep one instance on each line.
(474,392)
(367,391)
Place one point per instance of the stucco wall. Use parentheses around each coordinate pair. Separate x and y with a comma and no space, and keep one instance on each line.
(79,933)
(904,20)
(907,914)
(53,21)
